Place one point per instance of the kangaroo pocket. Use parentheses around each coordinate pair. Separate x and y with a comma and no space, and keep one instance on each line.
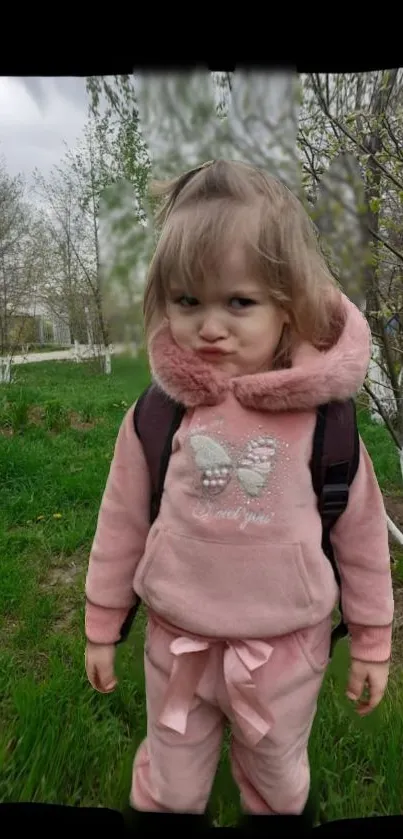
(247,590)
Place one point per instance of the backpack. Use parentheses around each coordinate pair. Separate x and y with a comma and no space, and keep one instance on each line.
(334,464)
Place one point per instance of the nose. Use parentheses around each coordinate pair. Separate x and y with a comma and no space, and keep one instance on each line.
(212,327)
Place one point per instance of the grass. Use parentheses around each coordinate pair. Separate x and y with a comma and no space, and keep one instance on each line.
(59,740)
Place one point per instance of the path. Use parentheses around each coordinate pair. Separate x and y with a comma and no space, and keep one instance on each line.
(61,355)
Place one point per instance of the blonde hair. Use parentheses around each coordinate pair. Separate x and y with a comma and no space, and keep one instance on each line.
(206,210)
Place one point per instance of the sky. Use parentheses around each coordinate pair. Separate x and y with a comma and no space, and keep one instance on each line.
(37,116)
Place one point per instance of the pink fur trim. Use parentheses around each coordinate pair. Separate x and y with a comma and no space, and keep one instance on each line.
(315,377)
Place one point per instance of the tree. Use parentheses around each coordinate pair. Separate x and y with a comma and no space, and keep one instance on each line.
(362,114)
(69,280)
(190,118)
(114,116)
(16,266)
(73,196)
(125,228)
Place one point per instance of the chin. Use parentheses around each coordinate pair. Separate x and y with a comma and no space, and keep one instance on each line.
(229,368)
(246,369)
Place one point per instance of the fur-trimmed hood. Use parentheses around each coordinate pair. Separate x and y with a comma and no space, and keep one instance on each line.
(314,378)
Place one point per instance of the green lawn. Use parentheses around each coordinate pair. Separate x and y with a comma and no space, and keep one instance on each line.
(59,740)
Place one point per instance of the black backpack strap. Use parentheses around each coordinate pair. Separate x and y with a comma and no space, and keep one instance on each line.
(334,464)
(156,418)
(335,458)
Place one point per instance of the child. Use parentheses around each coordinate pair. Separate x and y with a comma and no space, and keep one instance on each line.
(248,330)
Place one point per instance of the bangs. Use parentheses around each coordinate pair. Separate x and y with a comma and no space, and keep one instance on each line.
(195,241)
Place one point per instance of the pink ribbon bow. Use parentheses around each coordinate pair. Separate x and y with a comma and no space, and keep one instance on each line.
(240,660)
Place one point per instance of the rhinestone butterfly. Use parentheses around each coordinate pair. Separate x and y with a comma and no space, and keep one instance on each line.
(218,468)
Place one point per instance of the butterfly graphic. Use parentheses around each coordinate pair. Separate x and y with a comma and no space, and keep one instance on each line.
(218,468)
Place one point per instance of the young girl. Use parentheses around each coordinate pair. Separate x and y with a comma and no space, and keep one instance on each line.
(248,330)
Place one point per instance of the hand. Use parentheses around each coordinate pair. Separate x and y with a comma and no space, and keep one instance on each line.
(100,666)
(367,684)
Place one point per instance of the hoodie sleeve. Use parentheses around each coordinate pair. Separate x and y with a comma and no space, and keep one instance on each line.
(360,541)
(119,542)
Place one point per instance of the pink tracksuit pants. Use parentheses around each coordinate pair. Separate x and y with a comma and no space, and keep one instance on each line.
(268,692)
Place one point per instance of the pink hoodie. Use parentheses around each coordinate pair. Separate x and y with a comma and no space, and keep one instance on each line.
(236,550)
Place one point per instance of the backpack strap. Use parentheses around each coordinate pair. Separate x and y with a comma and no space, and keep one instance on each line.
(335,458)
(334,464)
(156,419)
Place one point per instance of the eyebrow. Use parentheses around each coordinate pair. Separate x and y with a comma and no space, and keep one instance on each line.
(247,292)
(235,292)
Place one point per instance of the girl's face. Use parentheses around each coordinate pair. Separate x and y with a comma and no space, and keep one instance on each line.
(232,323)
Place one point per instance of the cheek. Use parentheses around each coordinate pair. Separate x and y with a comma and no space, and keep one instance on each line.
(180,326)
(262,339)
(264,331)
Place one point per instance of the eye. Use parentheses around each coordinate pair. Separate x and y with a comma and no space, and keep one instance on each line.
(242,302)
(186,302)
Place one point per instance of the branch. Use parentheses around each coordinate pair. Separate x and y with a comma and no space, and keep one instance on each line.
(389,247)
(384,416)
(335,121)
(393,137)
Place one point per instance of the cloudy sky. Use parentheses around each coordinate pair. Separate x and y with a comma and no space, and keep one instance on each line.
(37,115)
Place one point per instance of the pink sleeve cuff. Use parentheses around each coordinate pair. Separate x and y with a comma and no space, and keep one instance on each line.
(103,624)
(371,643)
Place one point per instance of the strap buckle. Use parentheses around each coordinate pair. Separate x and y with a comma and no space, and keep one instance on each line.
(333,500)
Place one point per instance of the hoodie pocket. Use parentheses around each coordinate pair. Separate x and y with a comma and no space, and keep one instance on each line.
(249,590)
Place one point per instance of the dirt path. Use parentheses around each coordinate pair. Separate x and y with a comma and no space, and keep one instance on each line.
(60,355)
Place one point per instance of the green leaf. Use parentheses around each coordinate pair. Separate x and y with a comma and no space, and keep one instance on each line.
(374,205)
